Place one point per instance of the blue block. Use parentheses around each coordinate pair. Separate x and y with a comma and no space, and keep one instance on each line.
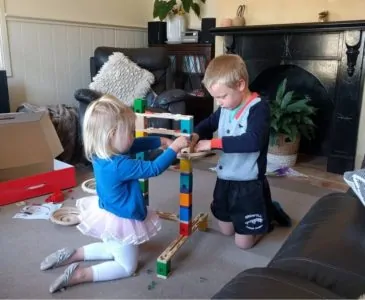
(186,213)
(140,155)
(186,183)
(186,126)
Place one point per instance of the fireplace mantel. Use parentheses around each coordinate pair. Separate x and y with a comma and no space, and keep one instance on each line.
(324,59)
(290,28)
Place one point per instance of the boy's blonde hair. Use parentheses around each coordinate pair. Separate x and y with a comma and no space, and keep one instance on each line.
(101,121)
(227,69)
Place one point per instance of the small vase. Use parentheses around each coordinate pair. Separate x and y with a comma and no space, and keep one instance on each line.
(175,27)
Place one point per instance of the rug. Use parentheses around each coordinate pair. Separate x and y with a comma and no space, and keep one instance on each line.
(200,268)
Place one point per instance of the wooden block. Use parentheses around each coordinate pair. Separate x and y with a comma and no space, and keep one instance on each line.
(176,117)
(139,105)
(186,183)
(186,166)
(143,183)
(165,131)
(140,133)
(168,216)
(146,199)
(176,244)
(163,268)
(186,228)
(186,126)
(186,213)
(141,122)
(140,155)
(186,199)
(203,223)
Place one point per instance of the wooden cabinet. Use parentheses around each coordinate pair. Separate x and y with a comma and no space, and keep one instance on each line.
(188,64)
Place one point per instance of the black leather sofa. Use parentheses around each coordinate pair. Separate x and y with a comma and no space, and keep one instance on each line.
(323,258)
(157,61)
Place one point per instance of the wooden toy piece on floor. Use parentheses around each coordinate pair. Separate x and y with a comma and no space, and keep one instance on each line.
(89,186)
(66,216)
(164,260)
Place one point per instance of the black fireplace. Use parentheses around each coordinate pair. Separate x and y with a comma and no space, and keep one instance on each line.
(322,60)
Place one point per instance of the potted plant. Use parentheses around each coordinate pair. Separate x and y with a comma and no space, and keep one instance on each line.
(174,12)
(291,118)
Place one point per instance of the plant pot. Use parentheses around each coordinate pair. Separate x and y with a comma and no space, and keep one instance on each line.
(283,146)
(283,153)
(175,26)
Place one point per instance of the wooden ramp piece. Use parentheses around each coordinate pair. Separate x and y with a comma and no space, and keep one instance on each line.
(164,260)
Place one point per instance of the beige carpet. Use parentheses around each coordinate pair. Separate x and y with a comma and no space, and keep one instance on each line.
(200,268)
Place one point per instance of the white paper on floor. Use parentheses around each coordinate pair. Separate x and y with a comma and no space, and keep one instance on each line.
(37,212)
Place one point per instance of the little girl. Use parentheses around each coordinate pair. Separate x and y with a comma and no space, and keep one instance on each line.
(117,215)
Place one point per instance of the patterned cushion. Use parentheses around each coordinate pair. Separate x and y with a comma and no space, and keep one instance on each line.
(122,78)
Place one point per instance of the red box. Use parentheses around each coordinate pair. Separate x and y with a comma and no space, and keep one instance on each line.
(62,177)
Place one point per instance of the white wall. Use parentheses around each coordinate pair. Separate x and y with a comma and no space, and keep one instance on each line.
(51,42)
(112,12)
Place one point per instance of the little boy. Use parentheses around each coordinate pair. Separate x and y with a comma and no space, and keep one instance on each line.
(241,199)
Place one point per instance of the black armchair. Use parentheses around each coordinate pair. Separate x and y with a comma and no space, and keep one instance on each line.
(157,61)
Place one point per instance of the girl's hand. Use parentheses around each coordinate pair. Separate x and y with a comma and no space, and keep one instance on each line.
(203,145)
(180,143)
(165,142)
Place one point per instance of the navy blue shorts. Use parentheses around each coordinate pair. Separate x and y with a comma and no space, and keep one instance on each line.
(244,203)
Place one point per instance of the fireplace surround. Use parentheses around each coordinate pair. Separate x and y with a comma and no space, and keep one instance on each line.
(322,60)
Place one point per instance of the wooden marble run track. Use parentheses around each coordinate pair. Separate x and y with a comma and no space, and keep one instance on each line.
(187,225)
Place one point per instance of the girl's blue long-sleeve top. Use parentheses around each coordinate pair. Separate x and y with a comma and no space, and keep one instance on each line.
(117,179)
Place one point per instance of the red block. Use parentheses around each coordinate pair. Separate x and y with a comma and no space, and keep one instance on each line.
(185,228)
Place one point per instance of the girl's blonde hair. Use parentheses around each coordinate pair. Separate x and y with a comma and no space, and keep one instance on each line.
(227,69)
(102,119)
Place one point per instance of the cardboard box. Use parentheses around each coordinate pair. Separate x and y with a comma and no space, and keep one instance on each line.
(29,144)
(62,176)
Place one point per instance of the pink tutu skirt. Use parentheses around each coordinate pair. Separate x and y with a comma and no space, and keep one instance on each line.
(99,223)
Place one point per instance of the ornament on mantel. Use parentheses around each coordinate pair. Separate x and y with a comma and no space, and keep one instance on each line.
(239,20)
(323,16)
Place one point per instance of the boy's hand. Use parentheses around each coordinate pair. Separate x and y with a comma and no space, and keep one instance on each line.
(165,142)
(194,141)
(180,143)
(203,145)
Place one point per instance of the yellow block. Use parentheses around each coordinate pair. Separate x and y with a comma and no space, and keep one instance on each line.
(186,166)
(186,199)
(141,133)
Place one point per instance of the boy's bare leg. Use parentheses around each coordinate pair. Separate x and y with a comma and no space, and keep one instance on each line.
(246,241)
(226,228)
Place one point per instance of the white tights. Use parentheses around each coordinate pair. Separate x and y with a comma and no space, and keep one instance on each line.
(124,260)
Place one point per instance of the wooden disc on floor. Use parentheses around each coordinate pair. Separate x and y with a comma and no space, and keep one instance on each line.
(66,216)
(89,186)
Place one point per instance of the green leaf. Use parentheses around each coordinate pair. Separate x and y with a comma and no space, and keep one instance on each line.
(187,5)
(288,97)
(203,1)
(281,91)
(196,9)
(162,8)
(298,106)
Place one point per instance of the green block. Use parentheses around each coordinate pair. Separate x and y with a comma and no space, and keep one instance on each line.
(163,268)
(139,105)
(143,183)
(146,199)
(140,155)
